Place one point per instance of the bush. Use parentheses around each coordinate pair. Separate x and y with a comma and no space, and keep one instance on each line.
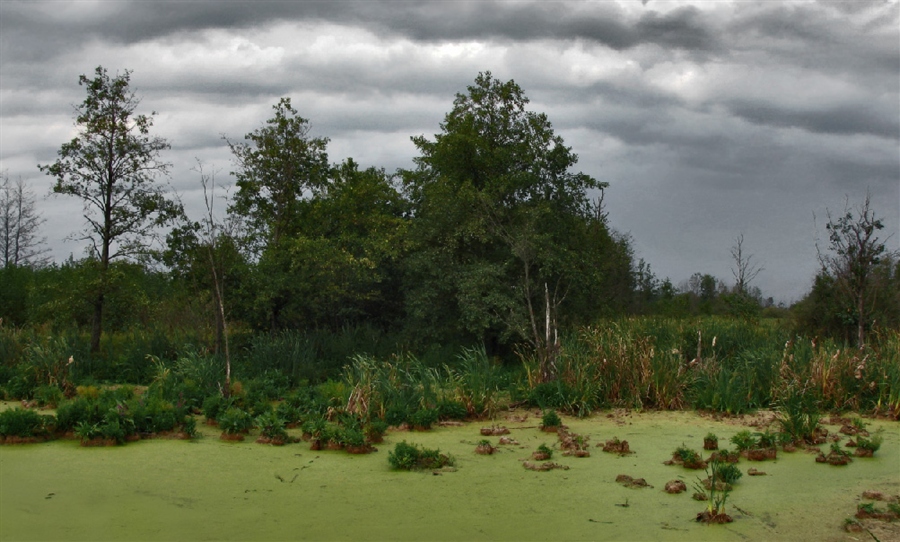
(234,421)
(23,423)
(744,440)
(424,418)
(271,426)
(48,396)
(550,419)
(214,405)
(452,410)
(410,457)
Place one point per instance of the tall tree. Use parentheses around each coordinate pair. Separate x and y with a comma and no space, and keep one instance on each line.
(111,165)
(278,166)
(854,252)
(498,218)
(19,225)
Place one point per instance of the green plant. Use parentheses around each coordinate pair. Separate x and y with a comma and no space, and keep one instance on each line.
(716,494)
(352,436)
(711,437)
(23,423)
(743,440)
(375,429)
(189,426)
(87,431)
(872,443)
(407,456)
(452,410)
(798,413)
(424,418)
(728,472)
(271,426)
(686,455)
(545,451)
(235,421)
(766,439)
(48,395)
(550,419)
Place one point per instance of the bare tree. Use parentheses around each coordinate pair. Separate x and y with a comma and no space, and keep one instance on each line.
(211,230)
(19,225)
(744,270)
(854,250)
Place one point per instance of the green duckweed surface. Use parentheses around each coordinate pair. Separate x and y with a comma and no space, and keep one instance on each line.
(207,489)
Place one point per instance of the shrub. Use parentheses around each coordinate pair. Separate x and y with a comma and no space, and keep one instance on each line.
(234,421)
(352,436)
(871,444)
(48,395)
(397,415)
(407,456)
(424,418)
(550,419)
(214,405)
(545,450)
(728,473)
(452,410)
(23,423)
(744,440)
(271,426)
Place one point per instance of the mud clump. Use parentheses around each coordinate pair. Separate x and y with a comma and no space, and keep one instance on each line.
(546,466)
(675,487)
(628,481)
(616,446)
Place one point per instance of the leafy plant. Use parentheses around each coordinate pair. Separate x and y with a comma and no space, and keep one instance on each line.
(23,423)
(872,443)
(550,419)
(407,456)
(743,440)
(728,472)
(715,494)
(271,426)
(424,418)
(235,421)
(545,451)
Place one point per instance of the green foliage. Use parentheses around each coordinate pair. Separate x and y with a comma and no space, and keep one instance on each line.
(271,426)
(48,396)
(798,413)
(424,418)
(406,456)
(234,421)
(728,472)
(545,450)
(110,165)
(550,419)
(872,443)
(498,214)
(716,494)
(23,423)
(743,440)
(686,455)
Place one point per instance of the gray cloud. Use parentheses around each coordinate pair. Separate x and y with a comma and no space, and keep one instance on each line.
(709,119)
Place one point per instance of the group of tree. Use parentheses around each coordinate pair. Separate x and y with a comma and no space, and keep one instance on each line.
(492,237)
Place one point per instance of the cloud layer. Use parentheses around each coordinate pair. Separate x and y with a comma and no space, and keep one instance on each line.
(709,119)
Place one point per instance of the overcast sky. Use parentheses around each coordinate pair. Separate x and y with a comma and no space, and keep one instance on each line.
(708,119)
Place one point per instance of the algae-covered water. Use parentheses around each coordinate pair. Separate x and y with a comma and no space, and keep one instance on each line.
(212,490)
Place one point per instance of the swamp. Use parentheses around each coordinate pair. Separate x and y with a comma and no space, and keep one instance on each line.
(209,489)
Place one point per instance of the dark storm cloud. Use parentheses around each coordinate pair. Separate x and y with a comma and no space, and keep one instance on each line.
(856,119)
(709,118)
(136,21)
